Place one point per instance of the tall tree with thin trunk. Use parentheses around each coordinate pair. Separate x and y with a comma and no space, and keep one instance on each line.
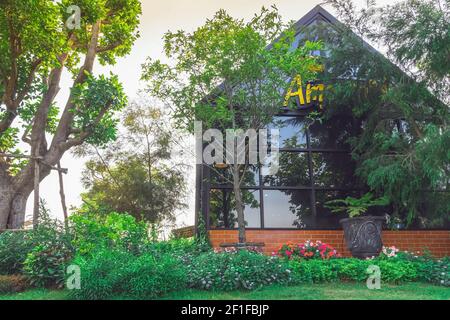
(139,174)
(226,76)
(39,40)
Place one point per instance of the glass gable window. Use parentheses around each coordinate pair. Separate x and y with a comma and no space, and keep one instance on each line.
(315,166)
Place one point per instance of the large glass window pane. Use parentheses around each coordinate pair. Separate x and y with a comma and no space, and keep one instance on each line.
(333,133)
(292,131)
(324,217)
(287,209)
(292,171)
(334,170)
(222,208)
(223,176)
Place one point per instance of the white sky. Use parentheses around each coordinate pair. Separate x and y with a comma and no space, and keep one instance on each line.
(157,18)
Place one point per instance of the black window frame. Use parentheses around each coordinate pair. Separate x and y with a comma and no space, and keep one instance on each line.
(312,187)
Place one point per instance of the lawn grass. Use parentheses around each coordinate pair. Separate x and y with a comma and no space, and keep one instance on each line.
(36,294)
(334,291)
(329,291)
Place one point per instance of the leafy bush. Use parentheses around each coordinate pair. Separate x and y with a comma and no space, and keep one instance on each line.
(20,249)
(316,271)
(101,275)
(313,271)
(45,265)
(239,270)
(12,283)
(14,247)
(352,269)
(428,268)
(150,276)
(114,230)
(440,272)
(175,246)
(112,272)
(397,271)
(307,250)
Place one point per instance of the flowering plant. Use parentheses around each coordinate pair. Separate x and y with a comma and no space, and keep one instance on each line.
(390,252)
(253,249)
(306,250)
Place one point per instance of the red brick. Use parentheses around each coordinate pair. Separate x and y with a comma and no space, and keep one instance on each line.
(437,242)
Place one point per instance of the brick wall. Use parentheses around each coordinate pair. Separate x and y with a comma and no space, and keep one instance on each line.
(438,242)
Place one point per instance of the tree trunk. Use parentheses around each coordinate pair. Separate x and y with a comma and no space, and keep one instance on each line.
(17,210)
(239,203)
(12,208)
(5,204)
(14,193)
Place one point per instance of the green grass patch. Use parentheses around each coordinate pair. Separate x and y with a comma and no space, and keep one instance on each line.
(37,294)
(329,291)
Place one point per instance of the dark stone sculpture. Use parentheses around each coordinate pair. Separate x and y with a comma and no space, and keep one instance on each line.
(363,235)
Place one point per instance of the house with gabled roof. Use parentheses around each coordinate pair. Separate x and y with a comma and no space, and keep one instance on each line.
(291,206)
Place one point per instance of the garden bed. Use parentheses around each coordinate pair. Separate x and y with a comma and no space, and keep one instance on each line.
(116,258)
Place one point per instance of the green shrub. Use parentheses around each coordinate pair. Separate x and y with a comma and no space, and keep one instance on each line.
(440,272)
(239,270)
(150,276)
(14,247)
(428,268)
(45,265)
(12,283)
(313,271)
(396,271)
(352,269)
(18,246)
(115,230)
(300,272)
(393,270)
(174,246)
(111,272)
(101,274)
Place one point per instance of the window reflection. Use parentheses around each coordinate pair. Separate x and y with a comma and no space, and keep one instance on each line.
(292,171)
(287,209)
(334,170)
(332,133)
(292,131)
(324,217)
(223,176)
(223,213)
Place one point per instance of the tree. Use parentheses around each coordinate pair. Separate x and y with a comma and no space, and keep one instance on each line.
(402,150)
(225,75)
(35,48)
(138,173)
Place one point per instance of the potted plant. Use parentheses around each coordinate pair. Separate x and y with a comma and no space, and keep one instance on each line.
(362,233)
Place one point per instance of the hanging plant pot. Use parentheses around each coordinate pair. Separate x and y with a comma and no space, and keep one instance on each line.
(363,235)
